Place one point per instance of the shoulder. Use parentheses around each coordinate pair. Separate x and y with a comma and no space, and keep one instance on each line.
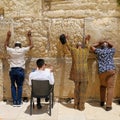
(33,73)
(98,50)
(9,49)
(25,48)
(28,47)
(113,49)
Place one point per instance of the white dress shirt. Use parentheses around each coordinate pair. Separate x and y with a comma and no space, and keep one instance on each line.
(42,75)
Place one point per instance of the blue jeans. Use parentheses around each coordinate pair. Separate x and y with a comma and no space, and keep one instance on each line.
(17,76)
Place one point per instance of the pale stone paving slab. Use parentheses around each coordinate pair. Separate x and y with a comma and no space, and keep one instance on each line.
(60,111)
(69,113)
(94,112)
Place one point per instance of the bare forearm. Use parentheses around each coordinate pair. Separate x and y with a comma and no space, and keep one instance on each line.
(7,39)
(30,40)
(97,44)
(92,48)
(110,45)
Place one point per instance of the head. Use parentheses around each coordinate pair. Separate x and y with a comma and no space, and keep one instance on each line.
(79,45)
(63,38)
(40,63)
(104,44)
(18,44)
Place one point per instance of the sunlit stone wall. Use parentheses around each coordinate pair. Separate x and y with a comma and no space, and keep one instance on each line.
(47,19)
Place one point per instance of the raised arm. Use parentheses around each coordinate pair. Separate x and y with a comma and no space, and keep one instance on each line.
(109,44)
(94,46)
(50,67)
(65,41)
(29,38)
(87,39)
(7,39)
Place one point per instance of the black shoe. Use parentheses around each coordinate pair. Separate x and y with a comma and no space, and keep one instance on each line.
(19,104)
(25,99)
(119,102)
(108,108)
(46,99)
(14,103)
(102,104)
(39,106)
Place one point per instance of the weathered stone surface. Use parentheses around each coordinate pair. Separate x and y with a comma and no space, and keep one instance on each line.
(1,80)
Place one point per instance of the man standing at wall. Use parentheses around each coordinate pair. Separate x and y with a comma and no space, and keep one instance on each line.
(17,66)
(79,70)
(105,52)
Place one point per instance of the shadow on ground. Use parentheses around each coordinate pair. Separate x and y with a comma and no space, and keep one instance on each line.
(35,111)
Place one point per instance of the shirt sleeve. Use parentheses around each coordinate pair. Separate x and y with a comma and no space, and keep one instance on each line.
(97,51)
(51,78)
(26,49)
(9,49)
(113,50)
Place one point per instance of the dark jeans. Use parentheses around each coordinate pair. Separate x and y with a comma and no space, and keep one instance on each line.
(17,77)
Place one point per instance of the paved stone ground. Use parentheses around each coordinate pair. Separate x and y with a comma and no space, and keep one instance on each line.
(61,111)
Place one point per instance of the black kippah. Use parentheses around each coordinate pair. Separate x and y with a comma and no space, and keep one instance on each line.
(62,39)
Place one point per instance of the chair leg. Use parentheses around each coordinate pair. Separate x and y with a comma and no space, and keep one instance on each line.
(50,105)
(52,98)
(31,105)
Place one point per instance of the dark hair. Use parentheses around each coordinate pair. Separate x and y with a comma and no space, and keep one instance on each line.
(62,38)
(18,45)
(40,63)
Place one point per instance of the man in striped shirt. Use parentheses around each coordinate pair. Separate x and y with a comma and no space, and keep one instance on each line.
(79,70)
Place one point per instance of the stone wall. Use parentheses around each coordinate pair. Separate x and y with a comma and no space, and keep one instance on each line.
(1,80)
(47,19)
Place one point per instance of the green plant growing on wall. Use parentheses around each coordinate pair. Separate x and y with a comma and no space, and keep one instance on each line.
(118,1)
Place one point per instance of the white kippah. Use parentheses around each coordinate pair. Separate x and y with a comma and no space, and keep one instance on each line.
(79,43)
(18,42)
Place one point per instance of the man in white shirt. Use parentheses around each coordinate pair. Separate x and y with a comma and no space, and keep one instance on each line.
(17,66)
(41,73)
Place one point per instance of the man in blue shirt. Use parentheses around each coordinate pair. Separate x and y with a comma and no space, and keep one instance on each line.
(105,52)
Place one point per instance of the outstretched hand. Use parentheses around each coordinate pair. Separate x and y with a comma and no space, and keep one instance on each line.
(29,33)
(9,34)
(87,37)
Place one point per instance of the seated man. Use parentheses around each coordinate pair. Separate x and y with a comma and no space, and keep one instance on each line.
(41,73)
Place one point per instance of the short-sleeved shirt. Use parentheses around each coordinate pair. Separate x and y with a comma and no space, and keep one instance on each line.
(105,59)
(42,75)
(17,56)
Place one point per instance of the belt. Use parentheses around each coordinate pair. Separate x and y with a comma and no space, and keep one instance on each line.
(17,68)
